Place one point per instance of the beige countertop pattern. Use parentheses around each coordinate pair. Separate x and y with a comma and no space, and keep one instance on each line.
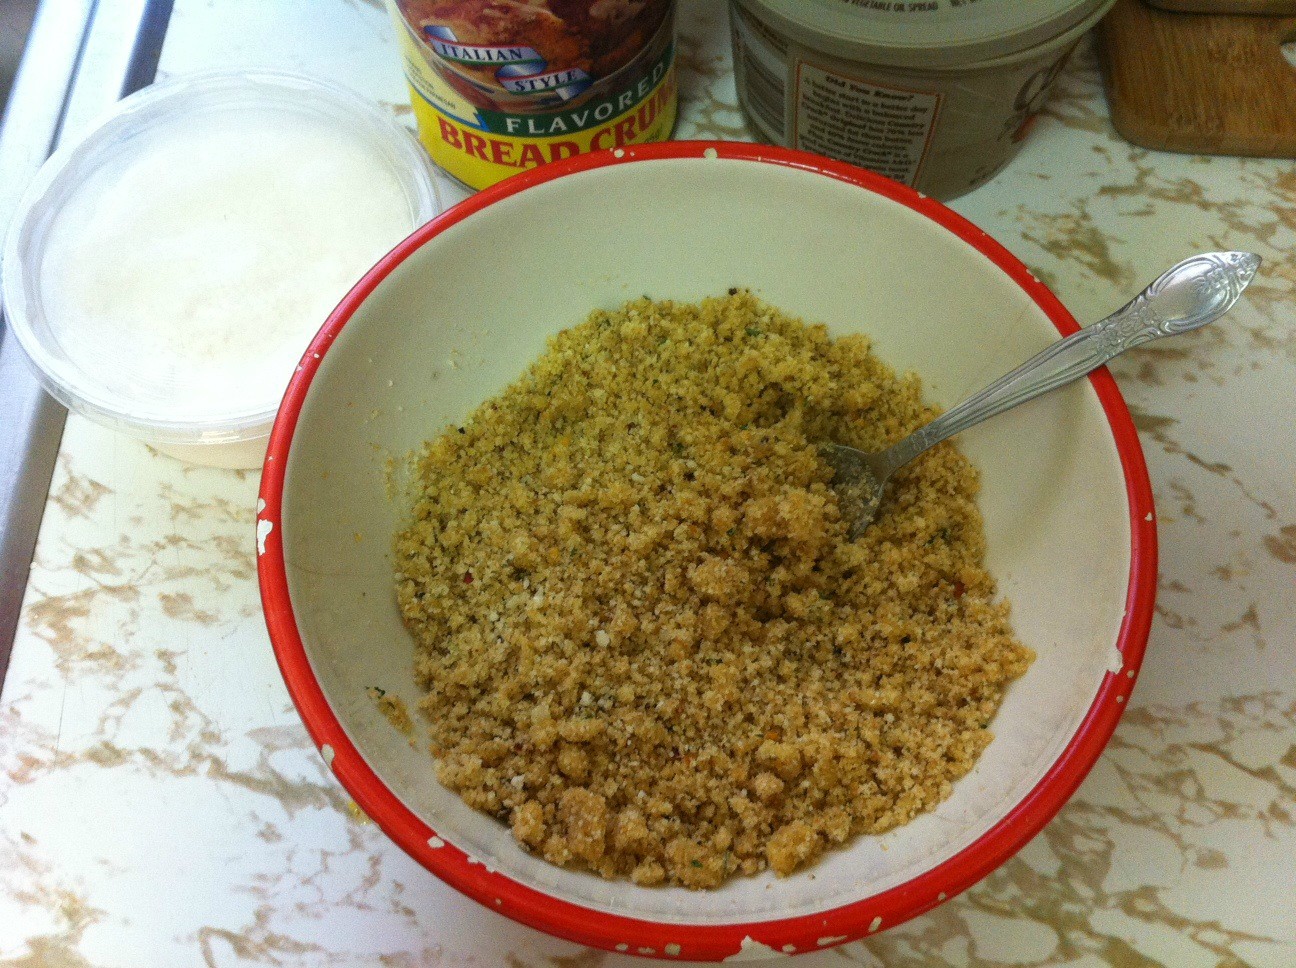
(161,804)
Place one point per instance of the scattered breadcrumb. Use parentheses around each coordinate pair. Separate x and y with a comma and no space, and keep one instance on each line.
(646,642)
(393,708)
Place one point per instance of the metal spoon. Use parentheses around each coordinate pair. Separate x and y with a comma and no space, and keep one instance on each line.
(1185,297)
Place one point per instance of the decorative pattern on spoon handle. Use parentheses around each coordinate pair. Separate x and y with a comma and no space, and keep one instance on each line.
(1185,297)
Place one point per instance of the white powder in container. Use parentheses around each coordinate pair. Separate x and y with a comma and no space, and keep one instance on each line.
(191,279)
(166,273)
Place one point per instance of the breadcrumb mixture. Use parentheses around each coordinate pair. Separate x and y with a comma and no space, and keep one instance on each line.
(647,644)
(393,709)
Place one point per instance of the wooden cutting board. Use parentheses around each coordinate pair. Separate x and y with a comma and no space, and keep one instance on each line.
(1213,84)
(1284,7)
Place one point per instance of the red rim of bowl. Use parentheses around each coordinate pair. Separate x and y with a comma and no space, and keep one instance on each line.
(615,932)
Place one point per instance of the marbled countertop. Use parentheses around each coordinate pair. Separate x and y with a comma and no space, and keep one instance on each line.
(161,804)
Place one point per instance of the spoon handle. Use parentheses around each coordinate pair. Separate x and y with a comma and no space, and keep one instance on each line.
(1185,297)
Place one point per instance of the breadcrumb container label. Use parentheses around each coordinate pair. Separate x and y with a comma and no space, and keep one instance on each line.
(498,86)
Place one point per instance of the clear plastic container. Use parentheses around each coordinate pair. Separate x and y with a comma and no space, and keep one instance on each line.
(204,383)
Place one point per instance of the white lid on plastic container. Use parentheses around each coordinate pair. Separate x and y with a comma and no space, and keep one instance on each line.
(210,181)
(930,34)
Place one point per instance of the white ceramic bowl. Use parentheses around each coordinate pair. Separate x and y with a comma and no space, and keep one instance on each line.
(458,310)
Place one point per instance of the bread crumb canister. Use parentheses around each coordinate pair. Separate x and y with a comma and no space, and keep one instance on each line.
(500,86)
(937,94)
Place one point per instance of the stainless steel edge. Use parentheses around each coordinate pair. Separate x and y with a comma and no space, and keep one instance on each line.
(81,57)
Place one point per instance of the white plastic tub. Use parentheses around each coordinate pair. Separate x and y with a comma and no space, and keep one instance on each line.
(185,332)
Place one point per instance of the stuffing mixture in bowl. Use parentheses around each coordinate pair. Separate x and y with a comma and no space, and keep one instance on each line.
(648,645)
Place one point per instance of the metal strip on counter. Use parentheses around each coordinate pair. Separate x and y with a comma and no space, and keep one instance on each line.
(81,57)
